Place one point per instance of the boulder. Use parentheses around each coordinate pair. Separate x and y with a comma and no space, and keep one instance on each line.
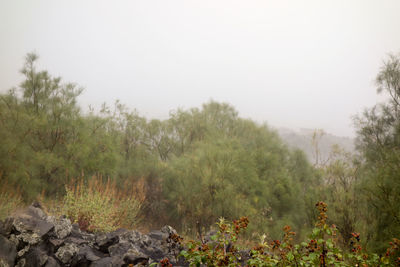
(8,251)
(62,226)
(67,252)
(36,257)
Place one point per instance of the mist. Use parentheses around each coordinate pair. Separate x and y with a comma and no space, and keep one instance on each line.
(294,64)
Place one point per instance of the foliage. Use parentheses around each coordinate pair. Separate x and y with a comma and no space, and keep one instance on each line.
(197,165)
(379,142)
(320,249)
(100,206)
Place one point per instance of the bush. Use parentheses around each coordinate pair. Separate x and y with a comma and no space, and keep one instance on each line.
(99,206)
(320,249)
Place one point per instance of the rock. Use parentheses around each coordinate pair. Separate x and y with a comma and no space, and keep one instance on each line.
(62,226)
(6,227)
(155,253)
(36,257)
(8,251)
(120,249)
(136,238)
(90,254)
(36,212)
(21,263)
(13,238)
(56,243)
(51,262)
(32,238)
(169,230)
(32,220)
(104,241)
(134,256)
(77,241)
(66,253)
(108,262)
(23,251)
(158,235)
(29,238)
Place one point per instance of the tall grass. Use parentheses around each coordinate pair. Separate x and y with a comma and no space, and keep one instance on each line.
(100,206)
(10,199)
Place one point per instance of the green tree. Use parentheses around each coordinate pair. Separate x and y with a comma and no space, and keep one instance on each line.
(379,142)
(46,139)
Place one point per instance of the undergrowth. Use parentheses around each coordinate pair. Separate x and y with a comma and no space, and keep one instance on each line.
(320,249)
(99,206)
(10,200)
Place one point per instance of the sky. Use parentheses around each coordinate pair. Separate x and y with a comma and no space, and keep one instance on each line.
(294,64)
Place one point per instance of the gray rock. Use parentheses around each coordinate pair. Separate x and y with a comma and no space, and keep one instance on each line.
(104,241)
(6,227)
(36,257)
(158,235)
(51,262)
(78,241)
(36,239)
(169,230)
(134,256)
(120,249)
(36,212)
(8,251)
(136,238)
(62,226)
(56,243)
(90,254)
(13,238)
(108,262)
(23,251)
(66,253)
(29,238)
(32,221)
(21,263)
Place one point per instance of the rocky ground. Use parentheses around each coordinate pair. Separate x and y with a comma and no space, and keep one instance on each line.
(33,238)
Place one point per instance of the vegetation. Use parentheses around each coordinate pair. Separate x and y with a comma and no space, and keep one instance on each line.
(196,166)
(10,200)
(320,249)
(98,206)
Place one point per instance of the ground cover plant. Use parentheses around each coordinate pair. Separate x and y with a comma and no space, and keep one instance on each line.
(321,248)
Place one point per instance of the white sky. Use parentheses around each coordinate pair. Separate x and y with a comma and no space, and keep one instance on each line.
(292,64)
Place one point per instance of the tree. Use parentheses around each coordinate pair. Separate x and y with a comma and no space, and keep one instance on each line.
(379,142)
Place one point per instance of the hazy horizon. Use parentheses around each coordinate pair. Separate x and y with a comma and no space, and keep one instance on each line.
(293,64)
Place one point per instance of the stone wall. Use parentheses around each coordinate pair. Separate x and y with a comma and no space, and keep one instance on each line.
(32,238)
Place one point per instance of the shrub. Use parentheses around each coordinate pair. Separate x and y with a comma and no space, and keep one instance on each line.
(320,249)
(99,206)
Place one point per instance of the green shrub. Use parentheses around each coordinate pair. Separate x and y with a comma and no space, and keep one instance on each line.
(99,206)
(320,249)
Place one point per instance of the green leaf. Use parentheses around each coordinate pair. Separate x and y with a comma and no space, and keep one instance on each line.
(329,231)
(316,231)
(290,256)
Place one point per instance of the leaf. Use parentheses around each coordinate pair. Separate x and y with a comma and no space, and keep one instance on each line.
(329,231)
(290,256)
(316,231)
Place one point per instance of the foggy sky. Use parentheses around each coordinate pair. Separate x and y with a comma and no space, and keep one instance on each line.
(293,64)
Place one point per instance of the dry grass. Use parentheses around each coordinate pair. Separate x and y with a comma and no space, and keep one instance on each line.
(99,205)
(10,199)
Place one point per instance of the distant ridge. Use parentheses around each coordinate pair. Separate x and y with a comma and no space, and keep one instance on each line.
(302,139)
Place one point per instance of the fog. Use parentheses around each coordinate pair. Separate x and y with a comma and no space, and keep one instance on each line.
(295,64)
